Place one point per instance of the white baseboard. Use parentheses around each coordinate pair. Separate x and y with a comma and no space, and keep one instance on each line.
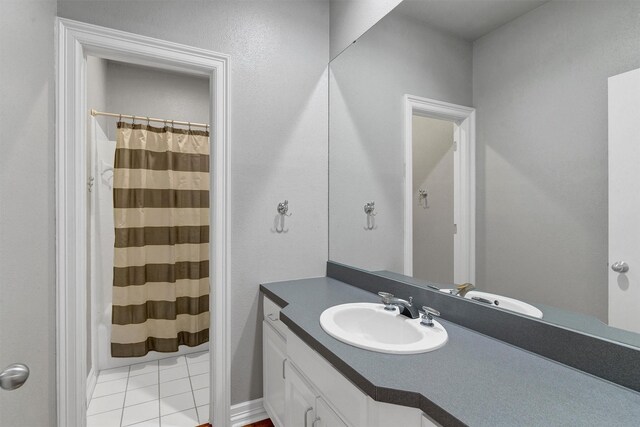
(247,413)
(92,378)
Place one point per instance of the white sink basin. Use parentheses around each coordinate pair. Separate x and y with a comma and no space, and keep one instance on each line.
(504,302)
(370,326)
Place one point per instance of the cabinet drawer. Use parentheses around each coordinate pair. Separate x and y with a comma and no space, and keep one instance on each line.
(272,316)
(349,402)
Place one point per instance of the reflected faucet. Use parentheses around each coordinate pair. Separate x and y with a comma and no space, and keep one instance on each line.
(406,307)
(461,290)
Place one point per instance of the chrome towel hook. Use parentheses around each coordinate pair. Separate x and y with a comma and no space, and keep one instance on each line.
(282,209)
(422,198)
(369,209)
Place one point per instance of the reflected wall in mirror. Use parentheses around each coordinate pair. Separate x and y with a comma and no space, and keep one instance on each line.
(553,87)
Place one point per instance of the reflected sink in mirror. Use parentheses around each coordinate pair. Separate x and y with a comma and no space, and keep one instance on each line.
(371,327)
(500,301)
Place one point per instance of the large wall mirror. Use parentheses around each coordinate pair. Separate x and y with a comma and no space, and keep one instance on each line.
(497,143)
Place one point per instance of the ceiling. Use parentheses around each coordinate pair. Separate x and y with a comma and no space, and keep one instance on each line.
(467,19)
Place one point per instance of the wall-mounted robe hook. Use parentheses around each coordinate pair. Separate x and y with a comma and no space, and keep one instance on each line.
(422,198)
(369,209)
(283,210)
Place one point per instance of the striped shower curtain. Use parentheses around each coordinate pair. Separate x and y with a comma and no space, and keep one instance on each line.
(161,217)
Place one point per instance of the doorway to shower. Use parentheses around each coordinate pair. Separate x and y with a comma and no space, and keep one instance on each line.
(79,173)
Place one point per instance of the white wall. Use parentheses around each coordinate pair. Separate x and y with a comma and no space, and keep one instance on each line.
(540,90)
(352,18)
(27,258)
(397,56)
(278,150)
(432,157)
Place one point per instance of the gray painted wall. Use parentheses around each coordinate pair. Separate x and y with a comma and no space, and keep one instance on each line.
(397,56)
(432,156)
(27,204)
(133,89)
(540,89)
(352,18)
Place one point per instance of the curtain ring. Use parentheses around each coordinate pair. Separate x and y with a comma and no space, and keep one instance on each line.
(148,121)
(133,120)
(189,126)
(120,118)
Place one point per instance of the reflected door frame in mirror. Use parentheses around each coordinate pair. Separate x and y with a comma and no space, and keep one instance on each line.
(464,181)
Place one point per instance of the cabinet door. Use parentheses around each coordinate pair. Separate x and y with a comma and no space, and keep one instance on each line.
(300,399)
(325,417)
(273,360)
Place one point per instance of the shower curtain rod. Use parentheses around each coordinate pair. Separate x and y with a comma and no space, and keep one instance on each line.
(147,119)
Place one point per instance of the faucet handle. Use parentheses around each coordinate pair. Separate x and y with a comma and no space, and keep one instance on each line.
(386,300)
(427,317)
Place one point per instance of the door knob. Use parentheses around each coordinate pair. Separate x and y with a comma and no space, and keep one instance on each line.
(14,376)
(620,267)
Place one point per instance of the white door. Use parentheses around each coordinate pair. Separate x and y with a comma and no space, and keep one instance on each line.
(300,399)
(624,200)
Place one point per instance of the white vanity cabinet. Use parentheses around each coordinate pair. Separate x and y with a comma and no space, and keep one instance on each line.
(304,406)
(274,356)
(302,389)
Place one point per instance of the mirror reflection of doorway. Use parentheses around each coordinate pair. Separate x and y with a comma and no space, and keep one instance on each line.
(433,199)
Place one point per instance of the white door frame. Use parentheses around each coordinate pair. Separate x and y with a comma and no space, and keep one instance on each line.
(464,181)
(74,41)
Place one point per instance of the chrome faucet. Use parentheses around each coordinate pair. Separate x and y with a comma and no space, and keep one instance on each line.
(427,317)
(461,290)
(406,307)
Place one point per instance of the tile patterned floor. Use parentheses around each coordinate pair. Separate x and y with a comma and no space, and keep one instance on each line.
(172,392)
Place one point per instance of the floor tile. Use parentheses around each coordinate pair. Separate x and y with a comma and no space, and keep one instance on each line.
(105,403)
(106,419)
(200,381)
(144,368)
(170,388)
(172,362)
(113,374)
(181,419)
(203,414)
(141,395)
(109,387)
(149,423)
(174,373)
(199,368)
(176,403)
(197,357)
(142,412)
(144,380)
(201,396)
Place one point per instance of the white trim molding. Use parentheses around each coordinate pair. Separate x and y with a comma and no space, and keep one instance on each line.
(464,181)
(74,41)
(248,413)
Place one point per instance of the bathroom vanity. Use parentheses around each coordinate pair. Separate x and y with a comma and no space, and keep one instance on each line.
(302,388)
(313,379)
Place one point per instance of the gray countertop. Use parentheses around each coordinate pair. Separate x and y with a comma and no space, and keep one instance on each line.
(473,380)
